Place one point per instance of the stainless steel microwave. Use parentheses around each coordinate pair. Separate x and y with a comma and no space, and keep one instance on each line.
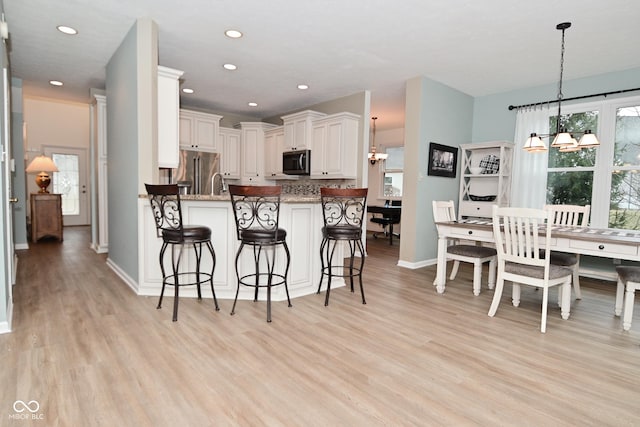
(296,162)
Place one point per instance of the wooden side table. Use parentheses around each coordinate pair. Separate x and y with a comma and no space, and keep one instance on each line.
(46,216)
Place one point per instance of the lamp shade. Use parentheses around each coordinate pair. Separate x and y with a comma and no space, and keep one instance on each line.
(534,144)
(563,138)
(588,140)
(41,164)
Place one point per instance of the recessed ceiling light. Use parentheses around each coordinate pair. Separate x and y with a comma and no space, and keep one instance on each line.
(187,90)
(234,34)
(229,67)
(303,87)
(55,82)
(67,30)
(253,104)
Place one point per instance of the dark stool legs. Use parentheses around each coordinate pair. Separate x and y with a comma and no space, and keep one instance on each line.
(327,250)
(174,278)
(270,264)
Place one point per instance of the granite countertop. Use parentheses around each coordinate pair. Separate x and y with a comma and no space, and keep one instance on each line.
(284,198)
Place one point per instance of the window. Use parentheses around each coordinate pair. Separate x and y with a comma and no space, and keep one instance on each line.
(65,182)
(392,175)
(606,177)
(570,175)
(624,209)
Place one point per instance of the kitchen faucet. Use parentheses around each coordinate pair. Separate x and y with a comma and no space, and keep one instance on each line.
(217,187)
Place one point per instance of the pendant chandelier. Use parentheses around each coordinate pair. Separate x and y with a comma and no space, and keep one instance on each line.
(373,155)
(562,139)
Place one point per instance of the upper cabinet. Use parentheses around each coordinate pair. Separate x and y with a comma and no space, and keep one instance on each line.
(199,131)
(274,147)
(297,129)
(168,107)
(252,159)
(230,153)
(486,178)
(334,146)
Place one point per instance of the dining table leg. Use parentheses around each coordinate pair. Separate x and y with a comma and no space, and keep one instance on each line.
(441,270)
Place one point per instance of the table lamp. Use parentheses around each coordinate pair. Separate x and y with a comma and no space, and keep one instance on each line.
(42,165)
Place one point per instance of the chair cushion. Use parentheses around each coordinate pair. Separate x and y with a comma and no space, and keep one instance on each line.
(561,258)
(342,232)
(262,236)
(471,251)
(555,271)
(190,234)
(628,273)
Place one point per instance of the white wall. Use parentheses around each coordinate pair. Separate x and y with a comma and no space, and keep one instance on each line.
(385,138)
(53,123)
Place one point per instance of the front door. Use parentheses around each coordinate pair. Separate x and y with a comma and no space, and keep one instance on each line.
(71,181)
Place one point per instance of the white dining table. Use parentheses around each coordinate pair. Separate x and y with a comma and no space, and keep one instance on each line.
(599,242)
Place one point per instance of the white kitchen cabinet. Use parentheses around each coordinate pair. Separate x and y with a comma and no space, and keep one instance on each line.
(230,153)
(168,108)
(297,129)
(199,131)
(252,158)
(486,178)
(334,146)
(274,146)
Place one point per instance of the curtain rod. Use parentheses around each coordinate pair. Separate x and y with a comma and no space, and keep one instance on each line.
(514,107)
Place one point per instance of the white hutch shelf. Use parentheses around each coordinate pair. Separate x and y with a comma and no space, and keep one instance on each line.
(479,185)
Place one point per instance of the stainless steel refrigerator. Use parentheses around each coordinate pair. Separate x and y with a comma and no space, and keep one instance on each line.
(198,168)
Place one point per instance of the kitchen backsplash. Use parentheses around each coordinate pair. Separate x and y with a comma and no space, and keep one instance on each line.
(312,187)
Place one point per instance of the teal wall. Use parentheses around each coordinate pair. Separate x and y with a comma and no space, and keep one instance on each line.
(129,88)
(492,121)
(122,140)
(434,113)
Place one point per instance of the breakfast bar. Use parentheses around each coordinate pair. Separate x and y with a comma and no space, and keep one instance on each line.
(300,215)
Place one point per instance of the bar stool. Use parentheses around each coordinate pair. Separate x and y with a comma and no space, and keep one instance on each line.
(257,210)
(343,212)
(167,213)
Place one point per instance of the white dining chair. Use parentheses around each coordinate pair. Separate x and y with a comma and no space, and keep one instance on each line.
(629,278)
(569,215)
(472,253)
(519,244)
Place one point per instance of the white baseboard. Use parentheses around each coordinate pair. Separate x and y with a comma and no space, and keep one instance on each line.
(99,249)
(124,276)
(21,246)
(419,264)
(5,327)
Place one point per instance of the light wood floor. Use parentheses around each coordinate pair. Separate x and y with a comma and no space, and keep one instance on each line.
(92,353)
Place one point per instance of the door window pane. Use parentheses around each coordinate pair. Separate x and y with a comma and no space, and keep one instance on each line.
(624,207)
(65,182)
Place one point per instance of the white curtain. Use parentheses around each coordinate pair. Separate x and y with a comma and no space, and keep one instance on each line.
(529,177)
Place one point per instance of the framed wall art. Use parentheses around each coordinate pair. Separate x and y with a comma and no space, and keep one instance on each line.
(443,160)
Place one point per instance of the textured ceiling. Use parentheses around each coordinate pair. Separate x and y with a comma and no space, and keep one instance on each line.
(337,47)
